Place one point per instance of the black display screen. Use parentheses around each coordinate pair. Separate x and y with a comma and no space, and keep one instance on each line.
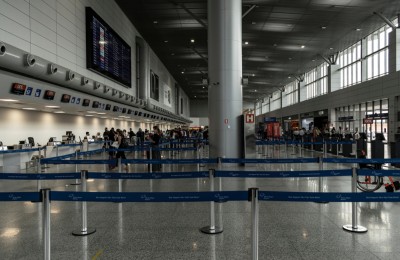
(18,89)
(129,111)
(108,107)
(95,104)
(115,108)
(49,95)
(124,110)
(86,102)
(106,52)
(65,98)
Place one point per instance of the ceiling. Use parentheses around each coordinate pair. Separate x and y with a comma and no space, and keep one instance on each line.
(275,31)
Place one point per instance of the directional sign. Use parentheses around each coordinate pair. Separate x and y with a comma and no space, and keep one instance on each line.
(249,118)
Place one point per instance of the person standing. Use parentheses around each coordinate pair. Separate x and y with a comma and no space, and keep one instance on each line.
(155,153)
(140,137)
(122,144)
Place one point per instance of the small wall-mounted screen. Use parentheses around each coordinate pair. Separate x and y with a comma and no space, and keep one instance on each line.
(129,111)
(115,108)
(18,89)
(108,107)
(95,104)
(65,98)
(86,102)
(49,94)
(124,110)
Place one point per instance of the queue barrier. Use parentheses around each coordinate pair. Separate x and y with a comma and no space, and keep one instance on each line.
(253,195)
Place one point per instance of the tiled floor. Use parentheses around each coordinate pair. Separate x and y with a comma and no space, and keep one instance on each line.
(288,230)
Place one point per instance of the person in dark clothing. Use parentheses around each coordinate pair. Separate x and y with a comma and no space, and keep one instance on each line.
(140,137)
(121,154)
(131,135)
(155,153)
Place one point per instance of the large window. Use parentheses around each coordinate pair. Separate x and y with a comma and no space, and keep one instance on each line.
(289,96)
(316,81)
(350,63)
(154,86)
(377,52)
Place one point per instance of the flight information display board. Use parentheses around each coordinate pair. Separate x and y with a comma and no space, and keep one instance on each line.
(106,52)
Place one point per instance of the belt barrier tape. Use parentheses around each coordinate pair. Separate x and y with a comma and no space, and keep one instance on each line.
(149,196)
(328,196)
(282,174)
(148,176)
(40,176)
(20,196)
(285,160)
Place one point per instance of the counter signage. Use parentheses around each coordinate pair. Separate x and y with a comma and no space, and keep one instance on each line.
(73,100)
(38,92)
(78,101)
(18,89)
(29,91)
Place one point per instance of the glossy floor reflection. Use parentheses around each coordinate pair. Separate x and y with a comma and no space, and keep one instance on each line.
(288,230)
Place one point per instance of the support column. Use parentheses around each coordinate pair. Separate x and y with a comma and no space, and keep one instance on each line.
(225,95)
(394,50)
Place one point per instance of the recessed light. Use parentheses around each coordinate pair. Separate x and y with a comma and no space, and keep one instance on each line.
(192,40)
(302,46)
(59,112)
(323,27)
(29,108)
(289,77)
(172,54)
(331,48)
(88,115)
(8,100)
(52,106)
(101,113)
(312,60)
(155,22)
(183,72)
(358,29)
(166,41)
(246,43)
(91,112)
(253,75)
(290,58)
(253,22)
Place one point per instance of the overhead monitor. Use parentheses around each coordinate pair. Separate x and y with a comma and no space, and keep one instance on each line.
(49,94)
(86,102)
(18,89)
(106,52)
(65,98)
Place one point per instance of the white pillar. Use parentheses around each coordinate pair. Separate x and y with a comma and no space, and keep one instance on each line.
(225,97)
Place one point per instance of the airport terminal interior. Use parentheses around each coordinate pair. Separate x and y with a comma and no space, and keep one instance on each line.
(178,111)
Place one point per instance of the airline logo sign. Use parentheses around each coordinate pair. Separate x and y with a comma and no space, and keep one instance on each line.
(368,121)
(249,118)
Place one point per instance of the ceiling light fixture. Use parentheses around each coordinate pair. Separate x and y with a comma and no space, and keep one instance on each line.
(166,41)
(29,108)
(302,46)
(52,106)
(246,43)
(192,40)
(8,100)
(323,27)
(155,22)
(358,29)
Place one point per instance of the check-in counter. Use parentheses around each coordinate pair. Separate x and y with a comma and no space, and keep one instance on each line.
(16,160)
(61,149)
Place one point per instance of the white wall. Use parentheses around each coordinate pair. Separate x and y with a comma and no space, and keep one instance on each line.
(55,30)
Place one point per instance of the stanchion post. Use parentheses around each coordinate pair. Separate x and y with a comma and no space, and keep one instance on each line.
(76,170)
(151,158)
(212,228)
(84,231)
(120,171)
(198,158)
(45,197)
(354,227)
(320,178)
(253,197)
